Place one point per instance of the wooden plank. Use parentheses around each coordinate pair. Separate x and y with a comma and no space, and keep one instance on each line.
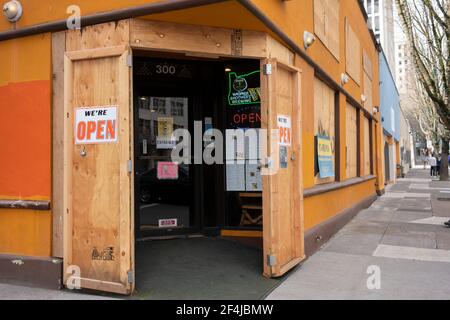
(166,36)
(193,39)
(250,195)
(99,36)
(58,49)
(241,233)
(68,138)
(96,53)
(297,177)
(98,285)
(267,96)
(279,51)
(126,228)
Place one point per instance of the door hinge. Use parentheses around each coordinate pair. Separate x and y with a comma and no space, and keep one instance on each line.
(130,61)
(267,69)
(271,260)
(130,276)
(130,166)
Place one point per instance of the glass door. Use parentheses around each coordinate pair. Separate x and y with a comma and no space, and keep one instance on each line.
(164,189)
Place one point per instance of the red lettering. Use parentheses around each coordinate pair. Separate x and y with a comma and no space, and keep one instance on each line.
(258,117)
(111,129)
(100,128)
(81,130)
(91,126)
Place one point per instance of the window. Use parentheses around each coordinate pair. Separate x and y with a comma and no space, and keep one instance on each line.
(324,128)
(326,24)
(351,128)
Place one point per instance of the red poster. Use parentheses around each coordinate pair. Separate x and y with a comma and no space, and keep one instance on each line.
(167,171)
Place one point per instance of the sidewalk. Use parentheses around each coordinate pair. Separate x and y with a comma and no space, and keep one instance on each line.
(401,235)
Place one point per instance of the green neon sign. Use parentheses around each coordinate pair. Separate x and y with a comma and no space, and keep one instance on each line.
(242,89)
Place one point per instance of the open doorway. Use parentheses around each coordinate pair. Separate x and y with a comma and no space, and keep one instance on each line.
(174,199)
(181,207)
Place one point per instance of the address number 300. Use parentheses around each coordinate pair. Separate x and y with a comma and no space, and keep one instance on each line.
(165,69)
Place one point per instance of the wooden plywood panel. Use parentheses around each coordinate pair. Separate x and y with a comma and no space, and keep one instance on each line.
(368,92)
(324,118)
(282,192)
(319,19)
(196,40)
(351,141)
(58,49)
(326,24)
(97,193)
(367,147)
(99,36)
(332,27)
(353,53)
(368,65)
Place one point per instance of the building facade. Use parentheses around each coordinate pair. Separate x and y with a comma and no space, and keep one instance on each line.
(86,166)
(381,19)
(390,119)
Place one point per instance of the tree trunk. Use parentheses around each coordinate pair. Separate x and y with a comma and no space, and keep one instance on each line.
(444,159)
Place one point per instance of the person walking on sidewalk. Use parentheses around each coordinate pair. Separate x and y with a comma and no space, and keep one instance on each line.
(432,162)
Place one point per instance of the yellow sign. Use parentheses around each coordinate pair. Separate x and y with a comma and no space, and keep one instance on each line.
(324,147)
(165,127)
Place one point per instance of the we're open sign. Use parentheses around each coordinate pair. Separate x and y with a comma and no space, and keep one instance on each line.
(96,125)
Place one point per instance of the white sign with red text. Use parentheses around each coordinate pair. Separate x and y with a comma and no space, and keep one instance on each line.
(96,125)
(285,129)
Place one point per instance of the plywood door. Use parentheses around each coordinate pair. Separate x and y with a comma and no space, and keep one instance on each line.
(97,194)
(282,190)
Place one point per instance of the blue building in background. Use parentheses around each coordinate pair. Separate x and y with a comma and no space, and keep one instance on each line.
(390,118)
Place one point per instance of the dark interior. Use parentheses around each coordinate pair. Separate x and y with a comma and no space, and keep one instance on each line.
(171,92)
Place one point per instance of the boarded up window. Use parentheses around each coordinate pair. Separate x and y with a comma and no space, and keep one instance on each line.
(367,147)
(324,121)
(353,54)
(326,24)
(368,77)
(351,127)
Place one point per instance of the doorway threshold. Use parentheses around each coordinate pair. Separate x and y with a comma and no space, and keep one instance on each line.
(170,237)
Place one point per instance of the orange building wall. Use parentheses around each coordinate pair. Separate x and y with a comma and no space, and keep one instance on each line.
(30,72)
(25,140)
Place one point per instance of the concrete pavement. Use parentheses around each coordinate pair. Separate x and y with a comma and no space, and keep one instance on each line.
(396,249)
